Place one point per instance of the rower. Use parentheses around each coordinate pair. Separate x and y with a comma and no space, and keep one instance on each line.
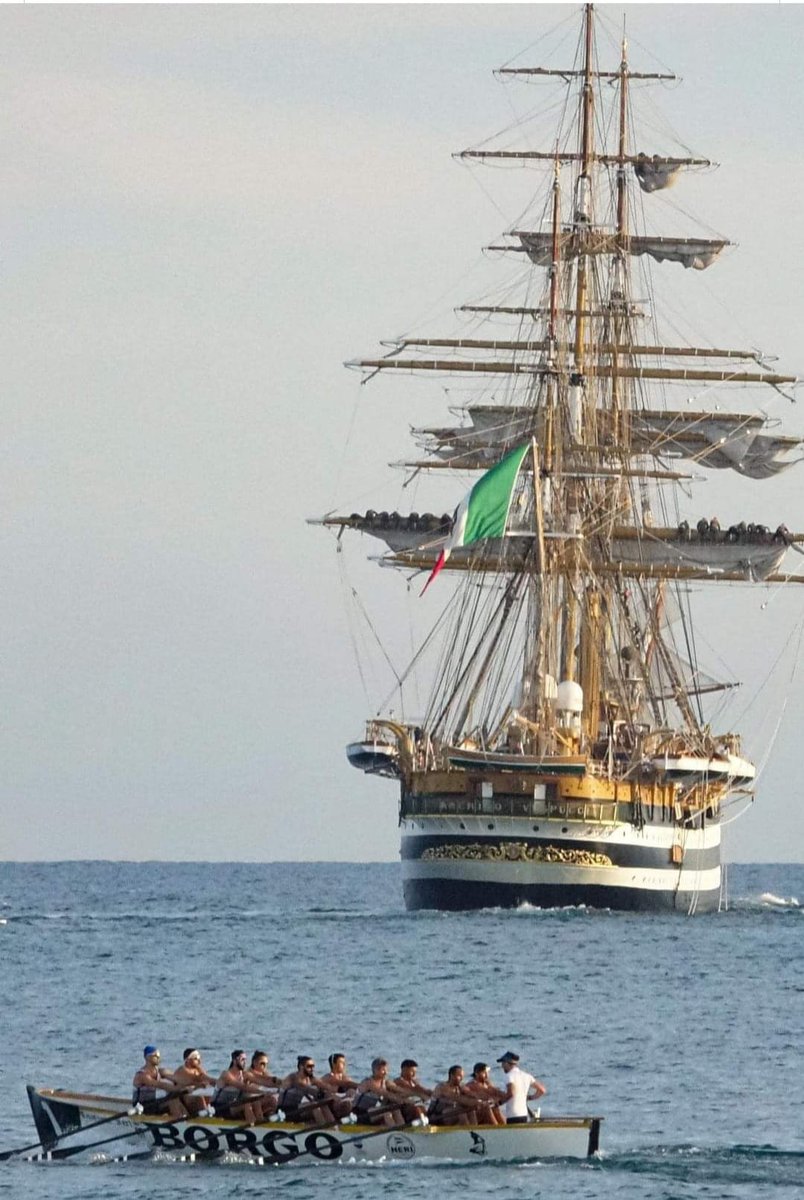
(298,1092)
(375,1093)
(341,1088)
(232,1096)
(481,1086)
(519,1087)
(451,1105)
(261,1078)
(192,1076)
(406,1082)
(150,1079)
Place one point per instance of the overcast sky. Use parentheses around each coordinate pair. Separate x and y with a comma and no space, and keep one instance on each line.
(204,212)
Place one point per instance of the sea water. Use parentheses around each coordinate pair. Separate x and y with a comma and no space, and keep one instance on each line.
(686,1034)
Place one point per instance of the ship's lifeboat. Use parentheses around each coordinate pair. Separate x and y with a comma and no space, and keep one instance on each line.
(375,758)
(695,768)
(541,764)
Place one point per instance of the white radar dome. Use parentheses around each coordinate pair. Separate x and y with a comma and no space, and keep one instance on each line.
(570,696)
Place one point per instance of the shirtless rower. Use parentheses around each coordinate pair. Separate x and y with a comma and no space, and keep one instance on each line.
(340,1086)
(451,1105)
(406,1082)
(298,1092)
(150,1079)
(481,1086)
(191,1075)
(520,1087)
(375,1092)
(232,1096)
(261,1078)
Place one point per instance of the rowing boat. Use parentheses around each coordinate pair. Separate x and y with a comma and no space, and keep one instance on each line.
(61,1115)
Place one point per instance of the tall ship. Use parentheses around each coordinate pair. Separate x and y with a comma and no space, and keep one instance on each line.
(566,753)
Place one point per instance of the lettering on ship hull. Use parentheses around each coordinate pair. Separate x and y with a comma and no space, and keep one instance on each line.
(517,852)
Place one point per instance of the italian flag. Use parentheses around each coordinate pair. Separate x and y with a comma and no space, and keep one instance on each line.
(483,512)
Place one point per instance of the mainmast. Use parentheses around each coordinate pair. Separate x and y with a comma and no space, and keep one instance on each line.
(579,423)
(583,194)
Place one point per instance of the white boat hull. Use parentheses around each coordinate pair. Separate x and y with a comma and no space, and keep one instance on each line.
(284,1142)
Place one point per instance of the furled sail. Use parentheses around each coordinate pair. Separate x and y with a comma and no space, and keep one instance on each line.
(698,253)
(733,441)
(750,549)
(655,174)
(717,440)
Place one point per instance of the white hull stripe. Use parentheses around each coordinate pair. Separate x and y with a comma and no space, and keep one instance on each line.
(517,829)
(686,880)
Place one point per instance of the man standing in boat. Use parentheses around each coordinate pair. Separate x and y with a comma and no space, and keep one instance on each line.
(519,1087)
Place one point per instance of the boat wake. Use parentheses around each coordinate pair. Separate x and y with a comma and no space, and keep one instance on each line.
(772,901)
(766,1165)
(765,902)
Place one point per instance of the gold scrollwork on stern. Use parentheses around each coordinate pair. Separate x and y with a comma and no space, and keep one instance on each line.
(516,852)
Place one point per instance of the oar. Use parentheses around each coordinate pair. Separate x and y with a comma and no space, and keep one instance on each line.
(210,1154)
(201,1155)
(266,1160)
(360,1137)
(69,1151)
(82,1129)
(303,1108)
(213,1154)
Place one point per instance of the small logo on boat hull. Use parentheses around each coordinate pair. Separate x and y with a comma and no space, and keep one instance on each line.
(400,1146)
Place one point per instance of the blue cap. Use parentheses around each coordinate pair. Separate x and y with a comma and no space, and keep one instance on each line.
(148,1050)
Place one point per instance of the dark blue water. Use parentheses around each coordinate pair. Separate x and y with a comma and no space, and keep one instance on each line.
(686,1034)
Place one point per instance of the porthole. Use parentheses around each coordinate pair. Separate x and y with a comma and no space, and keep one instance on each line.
(564,829)
(535,828)
(491,825)
(461,825)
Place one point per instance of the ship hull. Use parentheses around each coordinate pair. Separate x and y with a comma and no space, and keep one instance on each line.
(72,1119)
(450,864)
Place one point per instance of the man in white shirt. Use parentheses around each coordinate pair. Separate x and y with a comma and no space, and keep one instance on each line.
(519,1086)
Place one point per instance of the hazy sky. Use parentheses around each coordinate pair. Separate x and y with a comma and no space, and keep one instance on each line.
(205,210)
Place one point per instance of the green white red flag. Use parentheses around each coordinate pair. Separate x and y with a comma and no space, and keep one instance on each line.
(483,512)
